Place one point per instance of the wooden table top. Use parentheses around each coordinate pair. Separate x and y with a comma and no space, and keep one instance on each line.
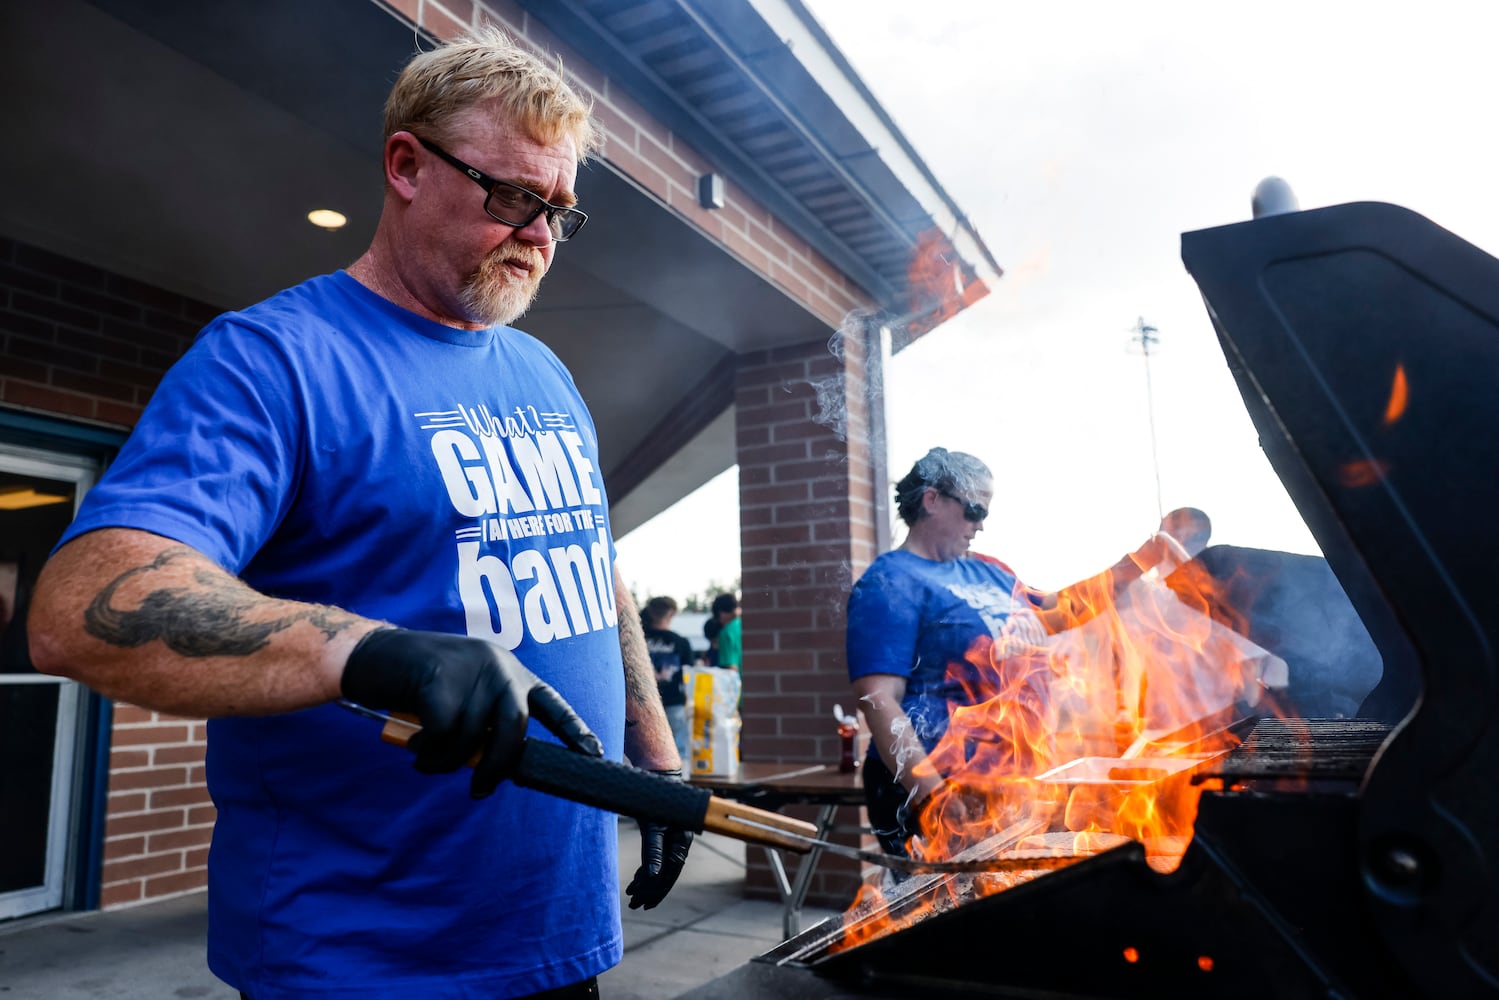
(802,780)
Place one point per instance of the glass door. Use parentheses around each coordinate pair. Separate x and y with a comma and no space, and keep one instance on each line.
(39,715)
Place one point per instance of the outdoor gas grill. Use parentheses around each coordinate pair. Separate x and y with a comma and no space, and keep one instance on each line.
(1348,844)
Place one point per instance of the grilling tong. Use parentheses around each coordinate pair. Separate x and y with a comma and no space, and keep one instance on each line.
(629,791)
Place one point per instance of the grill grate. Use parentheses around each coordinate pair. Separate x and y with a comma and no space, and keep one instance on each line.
(1330,749)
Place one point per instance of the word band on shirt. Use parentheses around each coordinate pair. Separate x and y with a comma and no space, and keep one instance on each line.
(526,479)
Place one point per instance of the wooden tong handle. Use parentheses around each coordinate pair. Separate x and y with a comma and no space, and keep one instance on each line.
(630,791)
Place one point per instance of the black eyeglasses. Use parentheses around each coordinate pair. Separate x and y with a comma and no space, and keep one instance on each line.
(514,205)
(972,509)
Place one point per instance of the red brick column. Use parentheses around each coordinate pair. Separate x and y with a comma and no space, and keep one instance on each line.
(160,816)
(807,528)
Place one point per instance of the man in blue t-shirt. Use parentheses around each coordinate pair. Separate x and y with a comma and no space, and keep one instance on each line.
(371,487)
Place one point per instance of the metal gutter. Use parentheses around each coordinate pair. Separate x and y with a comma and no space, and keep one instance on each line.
(834,162)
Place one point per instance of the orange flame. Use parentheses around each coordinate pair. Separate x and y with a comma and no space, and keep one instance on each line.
(1399,394)
(1076,744)
(1364,472)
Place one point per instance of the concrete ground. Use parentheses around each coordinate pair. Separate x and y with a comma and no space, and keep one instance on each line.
(703,930)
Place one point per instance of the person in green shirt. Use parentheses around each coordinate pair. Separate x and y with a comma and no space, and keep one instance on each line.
(729,642)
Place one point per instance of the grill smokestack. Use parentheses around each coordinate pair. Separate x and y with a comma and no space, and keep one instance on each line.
(1273,196)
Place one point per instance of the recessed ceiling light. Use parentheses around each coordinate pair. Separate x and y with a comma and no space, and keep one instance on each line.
(326,218)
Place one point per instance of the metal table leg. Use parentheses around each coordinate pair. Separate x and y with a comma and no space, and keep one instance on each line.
(778,869)
(794,894)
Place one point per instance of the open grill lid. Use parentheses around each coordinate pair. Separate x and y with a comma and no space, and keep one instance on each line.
(1365,342)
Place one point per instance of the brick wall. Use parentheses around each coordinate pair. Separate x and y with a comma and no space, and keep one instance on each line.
(806,493)
(82,343)
(160,819)
(77,341)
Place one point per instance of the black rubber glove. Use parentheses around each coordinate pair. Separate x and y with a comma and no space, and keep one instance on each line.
(908,820)
(663,852)
(947,813)
(471,696)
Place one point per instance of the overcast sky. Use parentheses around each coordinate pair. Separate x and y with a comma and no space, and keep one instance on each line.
(1082,140)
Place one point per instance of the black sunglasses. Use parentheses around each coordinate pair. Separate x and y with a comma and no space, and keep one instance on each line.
(972,509)
(514,205)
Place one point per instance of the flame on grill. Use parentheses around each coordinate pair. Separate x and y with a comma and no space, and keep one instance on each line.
(1399,394)
(1082,742)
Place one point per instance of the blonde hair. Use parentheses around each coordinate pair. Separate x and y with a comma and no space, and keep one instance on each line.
(439,86)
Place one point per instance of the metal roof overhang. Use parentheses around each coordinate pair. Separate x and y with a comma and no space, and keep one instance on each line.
(760,89)
(181,144)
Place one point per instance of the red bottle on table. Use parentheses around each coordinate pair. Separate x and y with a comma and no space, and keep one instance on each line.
(846,762)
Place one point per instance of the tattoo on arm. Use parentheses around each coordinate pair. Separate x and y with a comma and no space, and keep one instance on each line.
(640,676)
(211,619)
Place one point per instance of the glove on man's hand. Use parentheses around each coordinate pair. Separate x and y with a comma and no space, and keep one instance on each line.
(663,852)
(947,813)
(470,695)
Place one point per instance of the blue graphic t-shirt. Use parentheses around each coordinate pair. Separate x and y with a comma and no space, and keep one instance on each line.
(912,617)
(328,446)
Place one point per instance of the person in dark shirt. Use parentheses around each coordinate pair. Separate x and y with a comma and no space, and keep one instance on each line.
(670,652)
(711,628)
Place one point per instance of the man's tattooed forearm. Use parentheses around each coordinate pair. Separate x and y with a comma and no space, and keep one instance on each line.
(210,619)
